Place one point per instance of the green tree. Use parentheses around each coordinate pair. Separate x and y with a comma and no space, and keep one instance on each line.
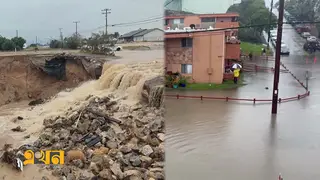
(2,40)
(19,42)
(303,10)
(253,12)
(73,42)
(8,45)
(33,45)
(55,44)
(116,35)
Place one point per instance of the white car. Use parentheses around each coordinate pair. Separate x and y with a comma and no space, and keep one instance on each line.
(312,39)
(273,34)
(305,34)
(284,49)
(274,39)
(274,31)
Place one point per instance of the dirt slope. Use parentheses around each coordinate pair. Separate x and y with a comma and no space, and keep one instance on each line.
(20,79)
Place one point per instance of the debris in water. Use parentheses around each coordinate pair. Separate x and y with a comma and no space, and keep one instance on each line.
(36,102)
(19,118)
(18,129)
(130,146)
(27,136)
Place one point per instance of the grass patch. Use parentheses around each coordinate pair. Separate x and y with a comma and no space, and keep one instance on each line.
(256,49)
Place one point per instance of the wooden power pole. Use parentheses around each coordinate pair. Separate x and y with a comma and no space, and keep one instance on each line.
(76,22)
(275,91)
(106,12)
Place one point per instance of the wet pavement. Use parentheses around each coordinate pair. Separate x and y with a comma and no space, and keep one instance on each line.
(289,36)
(222,140)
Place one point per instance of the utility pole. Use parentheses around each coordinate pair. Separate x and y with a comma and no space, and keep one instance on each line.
(307,80)
(76,22)
(61,37)
(37,40)
(270,16)
(17,33)
(106,12)
(275,91)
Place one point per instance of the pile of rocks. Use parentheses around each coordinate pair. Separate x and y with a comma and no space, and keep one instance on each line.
(130,147)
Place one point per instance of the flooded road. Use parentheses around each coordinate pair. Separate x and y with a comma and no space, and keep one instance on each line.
(289,36)
(218,140)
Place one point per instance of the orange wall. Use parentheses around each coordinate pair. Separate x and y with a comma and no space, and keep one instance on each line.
(232,51)
(227,25)
(175,55)
(208,56)
(221,22)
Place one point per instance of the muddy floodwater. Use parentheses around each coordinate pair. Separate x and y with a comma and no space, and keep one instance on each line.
(230,140)
(122,78)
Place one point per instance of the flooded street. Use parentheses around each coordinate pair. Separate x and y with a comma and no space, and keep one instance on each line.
(243,141)
(238,140)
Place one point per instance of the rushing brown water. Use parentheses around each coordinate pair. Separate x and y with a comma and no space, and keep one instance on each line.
(219,140)
(124,81)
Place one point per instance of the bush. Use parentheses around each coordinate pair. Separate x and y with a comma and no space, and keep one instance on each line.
(8,45)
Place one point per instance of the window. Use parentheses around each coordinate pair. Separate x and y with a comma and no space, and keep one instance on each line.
(166,22)
(186,42)
(208,19)
(178,21)
(186,68)
(234,19)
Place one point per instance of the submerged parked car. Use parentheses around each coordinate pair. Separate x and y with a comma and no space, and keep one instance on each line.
(305,34)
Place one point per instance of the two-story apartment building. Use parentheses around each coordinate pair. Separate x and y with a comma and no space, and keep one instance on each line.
(201,45)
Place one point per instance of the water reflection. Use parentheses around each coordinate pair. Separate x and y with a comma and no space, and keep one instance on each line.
(223,140)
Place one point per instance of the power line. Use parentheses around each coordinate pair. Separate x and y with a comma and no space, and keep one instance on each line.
(168,3)
(141,21)
(249,26)
(126,24)
(147,22)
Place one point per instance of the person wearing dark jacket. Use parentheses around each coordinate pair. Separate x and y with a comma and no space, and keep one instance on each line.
(250,55)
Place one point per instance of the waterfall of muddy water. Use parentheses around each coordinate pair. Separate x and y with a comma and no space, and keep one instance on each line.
(123,81)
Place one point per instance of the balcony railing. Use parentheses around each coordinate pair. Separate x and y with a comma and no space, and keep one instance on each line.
(227,24)
(232,40)
(233,51)
(174,26)
(205,25)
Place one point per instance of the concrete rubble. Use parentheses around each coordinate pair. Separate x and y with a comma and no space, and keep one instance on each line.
(129,147)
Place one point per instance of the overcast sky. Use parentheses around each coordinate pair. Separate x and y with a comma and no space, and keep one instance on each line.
(43,18)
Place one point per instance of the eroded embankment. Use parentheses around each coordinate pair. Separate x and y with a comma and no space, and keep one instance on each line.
(26,77)
(120,136)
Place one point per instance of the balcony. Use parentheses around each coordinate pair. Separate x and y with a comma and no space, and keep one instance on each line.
(232,51)
(232,40)
(226,24)
(206,25)
(174,26)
